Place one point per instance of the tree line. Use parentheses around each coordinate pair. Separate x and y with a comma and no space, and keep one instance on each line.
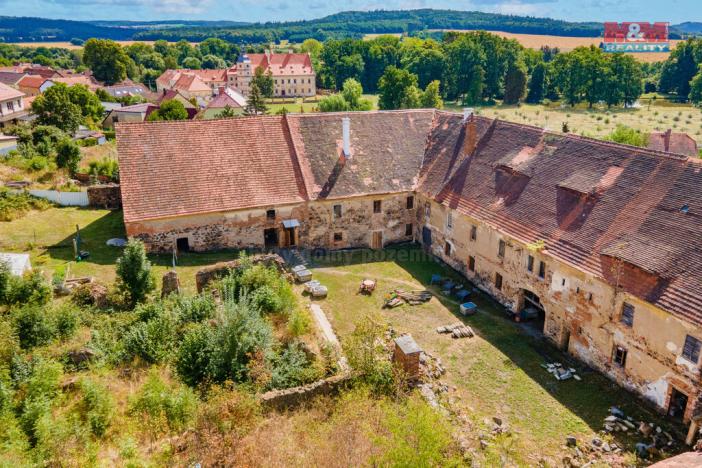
(476,67)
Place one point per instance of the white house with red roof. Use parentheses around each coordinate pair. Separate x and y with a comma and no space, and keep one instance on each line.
(292,73)
(11,105)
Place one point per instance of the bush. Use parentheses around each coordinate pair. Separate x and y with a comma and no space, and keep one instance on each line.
(33,326)
(292,368)
(134,273)
(299,323)
(168,407)
(29,289)
(194,308)
(367,356)
(96,407)
(152,341)
(68,155)
(39,390)
(66,320)
(223,352)
(14,206)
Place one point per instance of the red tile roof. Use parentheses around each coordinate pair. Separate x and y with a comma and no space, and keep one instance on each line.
(592,202)
(191,167)
(282,64)
(680,143)
(32,81)
(595,204)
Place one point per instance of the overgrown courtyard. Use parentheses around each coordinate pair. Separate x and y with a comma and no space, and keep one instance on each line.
(171,382)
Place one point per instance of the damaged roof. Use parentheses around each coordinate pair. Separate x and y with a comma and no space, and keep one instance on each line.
(591,202)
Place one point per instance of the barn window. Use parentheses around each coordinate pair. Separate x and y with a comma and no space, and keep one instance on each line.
(337,211)
(338,237)
(409,229)
(619,357)
(471,263)
(410,202)
(447,249)
(449,220)
(691,350)
(542,270)
(530,264)
(473,232)
(270,214)
(501,249)
(377,206)
(627,315)
(498,281)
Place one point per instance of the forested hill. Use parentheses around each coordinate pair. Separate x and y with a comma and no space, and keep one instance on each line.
(27,29)
(358,23)
(341,25)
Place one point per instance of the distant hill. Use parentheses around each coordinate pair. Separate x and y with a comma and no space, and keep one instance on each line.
(26,29)
(340,25)
(689,27)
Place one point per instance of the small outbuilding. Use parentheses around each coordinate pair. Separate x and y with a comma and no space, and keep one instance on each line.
(406,355)
(19,262)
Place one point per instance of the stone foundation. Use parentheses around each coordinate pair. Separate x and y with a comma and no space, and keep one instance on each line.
(291,397)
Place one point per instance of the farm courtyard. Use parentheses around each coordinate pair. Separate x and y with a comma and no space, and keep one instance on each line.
(496,374)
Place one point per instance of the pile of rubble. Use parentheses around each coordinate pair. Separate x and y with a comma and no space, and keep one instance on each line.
(560,372)
(456,330)
(655,437)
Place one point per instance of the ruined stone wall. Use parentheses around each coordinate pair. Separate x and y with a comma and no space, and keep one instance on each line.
(358,221)
(107,197)
(582,311)
(206,232)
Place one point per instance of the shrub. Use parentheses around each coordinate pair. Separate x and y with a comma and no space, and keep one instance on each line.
(68,155)
(29,289)
(292,368)
(33,326)
(195,355)
(66,320)
(224,351)
(9,345)
(15,205)
(5,276)
(168,407)
(152,341)
(299,322)
(96,407)
(39,390)
(134,272)
(367,356)
(194,308)
(267,299)
(629,136)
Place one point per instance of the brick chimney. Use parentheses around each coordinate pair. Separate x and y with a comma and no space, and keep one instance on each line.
(346,135)
(666,140)
(470,134)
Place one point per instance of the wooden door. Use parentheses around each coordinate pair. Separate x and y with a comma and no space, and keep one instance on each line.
(377,240)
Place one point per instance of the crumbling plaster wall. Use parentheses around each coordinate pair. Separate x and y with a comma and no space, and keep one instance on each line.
(582,311)
(357,221)
(234,229)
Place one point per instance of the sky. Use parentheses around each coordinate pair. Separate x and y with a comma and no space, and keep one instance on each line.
(675,11)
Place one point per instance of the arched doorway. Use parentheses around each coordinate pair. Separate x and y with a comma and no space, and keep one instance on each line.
(532,310)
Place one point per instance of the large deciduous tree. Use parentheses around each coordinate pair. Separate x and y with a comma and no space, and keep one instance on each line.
(55,107)
(107,60)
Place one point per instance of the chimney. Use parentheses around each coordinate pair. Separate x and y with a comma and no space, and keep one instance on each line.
(666,139)
(470,134)
(346,131)
(467,113)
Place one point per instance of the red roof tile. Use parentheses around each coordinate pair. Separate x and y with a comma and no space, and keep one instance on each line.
(191,167)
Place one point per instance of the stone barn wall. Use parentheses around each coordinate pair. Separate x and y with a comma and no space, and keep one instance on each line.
(108,197)
(582,312)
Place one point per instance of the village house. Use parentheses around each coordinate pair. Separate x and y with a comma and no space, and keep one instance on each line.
(34,85)
(597,242)
(11,105)
(292,73)
(192,83)
(135,113)
(190,108)
(225,98)
(673,142)
(127,89)
(11,78)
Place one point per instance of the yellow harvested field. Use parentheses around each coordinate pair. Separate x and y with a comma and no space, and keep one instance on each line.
(536,41)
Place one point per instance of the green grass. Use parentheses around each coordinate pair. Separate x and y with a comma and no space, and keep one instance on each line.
(497,373)
(48,237)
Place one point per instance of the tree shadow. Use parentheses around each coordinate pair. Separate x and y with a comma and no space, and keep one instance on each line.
(94,237)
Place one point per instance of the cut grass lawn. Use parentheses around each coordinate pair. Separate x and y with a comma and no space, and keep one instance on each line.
(496,373)
(48,237)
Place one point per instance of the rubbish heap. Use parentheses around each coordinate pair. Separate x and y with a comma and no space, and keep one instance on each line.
(560,372)
(456,330)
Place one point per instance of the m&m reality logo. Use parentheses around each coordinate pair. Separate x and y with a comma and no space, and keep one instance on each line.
(635,37)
